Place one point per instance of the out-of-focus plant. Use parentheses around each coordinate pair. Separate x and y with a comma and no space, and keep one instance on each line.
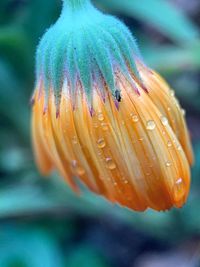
(22,190)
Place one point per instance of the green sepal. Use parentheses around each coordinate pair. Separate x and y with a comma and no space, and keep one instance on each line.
(101,54)
(83,63)
(58,57)
(71,68)
(125,41)
(85,46)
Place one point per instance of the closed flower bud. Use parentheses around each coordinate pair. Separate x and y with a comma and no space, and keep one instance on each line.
(100,114)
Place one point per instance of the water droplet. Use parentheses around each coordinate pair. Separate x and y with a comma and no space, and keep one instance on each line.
(80,171)
(100,117)
(183,112)
(95,124)
(141,139)
(74,163)
(135,118)
(109,179)
(172,93)
(179,181)
(164,120)
(74,140)
(110,164)
(101,143)
(104,126)
(99,153)
(168,163)
(169,109)
(179,148)
(179,189)
(150,125)
(76,168)
(177,103)
(169,144)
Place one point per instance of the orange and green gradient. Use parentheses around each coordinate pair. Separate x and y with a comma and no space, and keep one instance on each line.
(131,146)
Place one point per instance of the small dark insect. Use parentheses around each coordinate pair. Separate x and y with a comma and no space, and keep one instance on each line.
(118,95)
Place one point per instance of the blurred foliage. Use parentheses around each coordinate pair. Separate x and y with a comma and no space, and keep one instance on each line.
(40,221)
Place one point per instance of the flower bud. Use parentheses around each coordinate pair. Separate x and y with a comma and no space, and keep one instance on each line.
(100,114)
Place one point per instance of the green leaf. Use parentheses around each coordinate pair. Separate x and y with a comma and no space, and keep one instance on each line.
(27,247)
(85,257)
(161,14)
(169,58)
(14,104)
(40,15)
(15,48)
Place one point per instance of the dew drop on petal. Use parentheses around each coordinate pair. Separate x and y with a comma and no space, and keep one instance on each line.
(179,148)
(74,163)
(164,120)
(177,103)
(150,125)
(74,140)
(76,168)
(168,163)
(135,118)
(80,171)
(110,164)
(172,93)
(183,112)
(99,153)
(179,189)
(104,126)
(169,144)
(100,117)
(95,124)
(179,181)
(101,143)
(109,179)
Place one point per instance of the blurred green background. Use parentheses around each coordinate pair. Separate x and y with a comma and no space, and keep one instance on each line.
(42,223)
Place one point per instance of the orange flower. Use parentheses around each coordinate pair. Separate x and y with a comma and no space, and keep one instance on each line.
(131,147)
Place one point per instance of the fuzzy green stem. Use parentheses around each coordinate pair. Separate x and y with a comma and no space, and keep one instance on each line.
(75,4)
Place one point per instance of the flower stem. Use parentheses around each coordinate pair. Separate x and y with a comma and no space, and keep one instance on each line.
(75,4)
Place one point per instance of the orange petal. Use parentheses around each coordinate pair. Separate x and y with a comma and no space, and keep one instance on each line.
(40,150)
(131,156)
(164,98)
